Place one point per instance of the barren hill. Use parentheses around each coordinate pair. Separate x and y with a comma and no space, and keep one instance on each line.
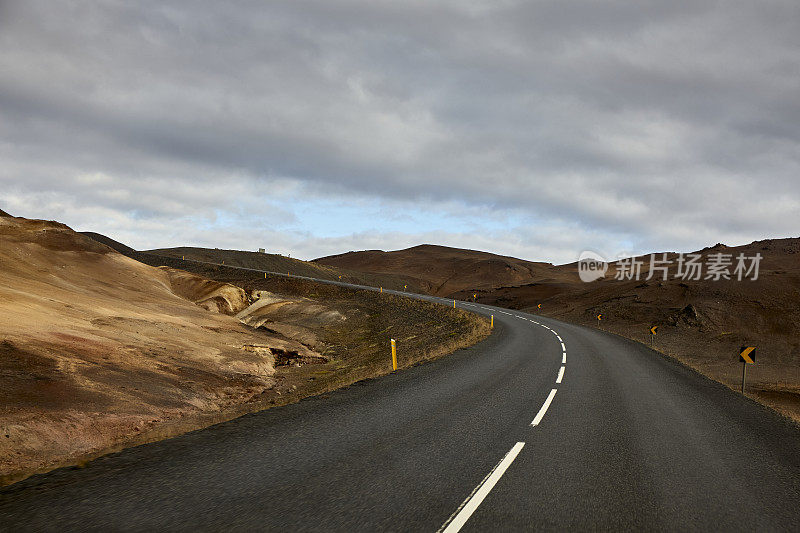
(96,348)
(445,271)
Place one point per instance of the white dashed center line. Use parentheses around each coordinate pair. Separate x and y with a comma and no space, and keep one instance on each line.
(543,410)
(462,514)
(470,505)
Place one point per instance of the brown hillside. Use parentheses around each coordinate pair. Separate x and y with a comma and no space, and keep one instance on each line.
(96,348)
(444,271)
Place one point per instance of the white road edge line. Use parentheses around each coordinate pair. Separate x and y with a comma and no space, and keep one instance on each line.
(465,510)
(560,375)
(564,358)
(543,410)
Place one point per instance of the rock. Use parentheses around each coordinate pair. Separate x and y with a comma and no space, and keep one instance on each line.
(690,311)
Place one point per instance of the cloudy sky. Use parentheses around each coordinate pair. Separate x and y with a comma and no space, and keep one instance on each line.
(532,128)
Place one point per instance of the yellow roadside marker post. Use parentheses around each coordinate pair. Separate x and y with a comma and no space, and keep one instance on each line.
(598,320)
(265,275)
(381,290)
(454,304)
(491,324)
(405,287)
(394,355)
(183,258)
(747,355)
(475,297)
(653,332)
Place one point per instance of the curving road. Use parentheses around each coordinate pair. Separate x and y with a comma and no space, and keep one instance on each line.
(545,425)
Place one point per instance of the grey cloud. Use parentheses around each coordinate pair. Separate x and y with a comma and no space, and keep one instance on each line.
(651,121)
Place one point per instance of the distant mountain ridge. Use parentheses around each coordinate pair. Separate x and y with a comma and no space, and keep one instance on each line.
(443,270)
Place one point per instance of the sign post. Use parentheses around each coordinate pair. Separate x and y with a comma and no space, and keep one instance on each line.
(653,331)
(598,320)
(747,355)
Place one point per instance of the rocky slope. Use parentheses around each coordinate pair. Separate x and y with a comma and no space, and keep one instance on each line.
(96,348)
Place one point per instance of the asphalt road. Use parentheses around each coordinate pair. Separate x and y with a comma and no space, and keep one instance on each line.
(629,440)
